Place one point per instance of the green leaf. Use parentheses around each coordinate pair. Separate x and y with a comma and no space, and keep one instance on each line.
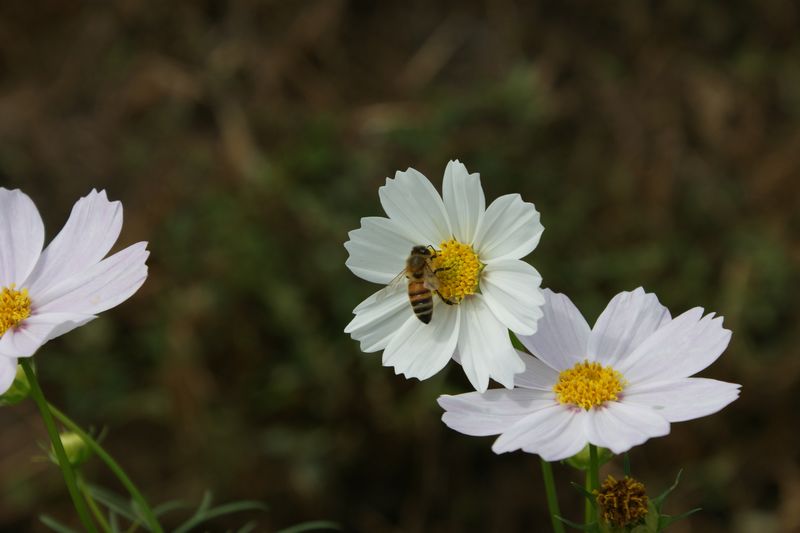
(582,527)
(115,503)
(55,525)
(319,525)
(659,501)
(665,520)
(651,520)
(170,506)
(247,528)
(586,494)
(204,513)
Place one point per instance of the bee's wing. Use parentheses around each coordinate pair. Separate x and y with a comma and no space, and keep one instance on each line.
(431,281)
(392,287)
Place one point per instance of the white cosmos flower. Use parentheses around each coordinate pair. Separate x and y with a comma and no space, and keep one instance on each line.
(44,294)
(480,249)
(616,385)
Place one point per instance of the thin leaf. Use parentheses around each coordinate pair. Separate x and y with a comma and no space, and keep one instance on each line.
(170,506)
(665,520)
(582,527)
(586,494)
(247,528)
(312,526)
(659,501)
(216,512)
(54,524)
(113,502)
(113,522)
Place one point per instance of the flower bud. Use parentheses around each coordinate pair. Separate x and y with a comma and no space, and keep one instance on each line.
(78,452)
(580,460)
(622,503)
(19,390)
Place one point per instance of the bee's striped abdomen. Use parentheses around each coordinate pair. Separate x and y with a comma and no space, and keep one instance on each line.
(421,299)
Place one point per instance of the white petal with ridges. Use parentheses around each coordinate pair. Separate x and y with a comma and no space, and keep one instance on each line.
(684,399)
(509,229)
(420,350)
(31,334)
(562,333)
(628,319)
(8,372)
(537,432)
(91,230)
(21,237)
(99,287)
(537,375)
(378,249)
(679,349)
(619,426)
(484,347)
(491,412)
(510,288)
(379,317)
(413,204)
(463,199)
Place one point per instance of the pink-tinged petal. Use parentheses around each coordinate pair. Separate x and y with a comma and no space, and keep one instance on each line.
(98,287)
(420,350)
(620,426)
(537,375)
(509,229)
(484,347)
(536,433)
(379,317)
(21,237)
(626,322)
(510,288)
(91,230)
(413,204)
(678,349)
(491,412)
(30,335)
(8,372)
(684,399)
(562,333)
(378,249)
(464,200)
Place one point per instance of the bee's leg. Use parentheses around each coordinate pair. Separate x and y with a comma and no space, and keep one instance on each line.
(445,300)
(440,269)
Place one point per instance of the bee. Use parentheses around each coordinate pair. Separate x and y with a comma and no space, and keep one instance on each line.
(422,281)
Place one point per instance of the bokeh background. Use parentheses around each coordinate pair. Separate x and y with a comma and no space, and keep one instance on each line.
(659,140)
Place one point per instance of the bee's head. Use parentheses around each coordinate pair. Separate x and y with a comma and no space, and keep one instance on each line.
(421,250)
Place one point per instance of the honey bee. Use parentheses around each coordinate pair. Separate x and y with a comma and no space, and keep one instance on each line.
(422,282)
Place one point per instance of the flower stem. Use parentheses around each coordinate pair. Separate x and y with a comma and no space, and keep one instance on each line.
(98,514)
(552,497)
(58,448)
(149,516)
(594,476)
(588,509)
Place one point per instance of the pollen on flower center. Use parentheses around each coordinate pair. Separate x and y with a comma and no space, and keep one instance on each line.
(622,503)
(15,306)
(458,269)
(588,384)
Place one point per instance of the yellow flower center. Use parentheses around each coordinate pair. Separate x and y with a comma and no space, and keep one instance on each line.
(15,306)
(458,269)
(588,385)
(622,503)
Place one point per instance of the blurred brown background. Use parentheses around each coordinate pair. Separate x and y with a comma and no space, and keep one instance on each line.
(659,140)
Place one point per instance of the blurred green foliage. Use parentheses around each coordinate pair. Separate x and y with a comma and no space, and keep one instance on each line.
(659,141)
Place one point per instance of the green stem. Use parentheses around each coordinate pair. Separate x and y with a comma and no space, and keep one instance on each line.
(58,448)
(588,509)
(98,514)
(552,497)
(149,516)
(594,475)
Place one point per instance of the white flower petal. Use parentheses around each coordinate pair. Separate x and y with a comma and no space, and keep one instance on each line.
(537,375)
(491,412)
(8,372)
(420,350)
(413,204)
(378,249)
(620,426)
(510,288)
(484,347)
(538,432)
(629,318)
(463,199)
(24,340)
(684,399)
(379,317)
(562,333)
(509,229)
(679,349)
(98,287)
(21,237)
(91,230)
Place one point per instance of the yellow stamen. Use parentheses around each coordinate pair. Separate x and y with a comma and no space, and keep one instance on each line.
(15,306)
(588,385)
(458,269)
(622,503)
